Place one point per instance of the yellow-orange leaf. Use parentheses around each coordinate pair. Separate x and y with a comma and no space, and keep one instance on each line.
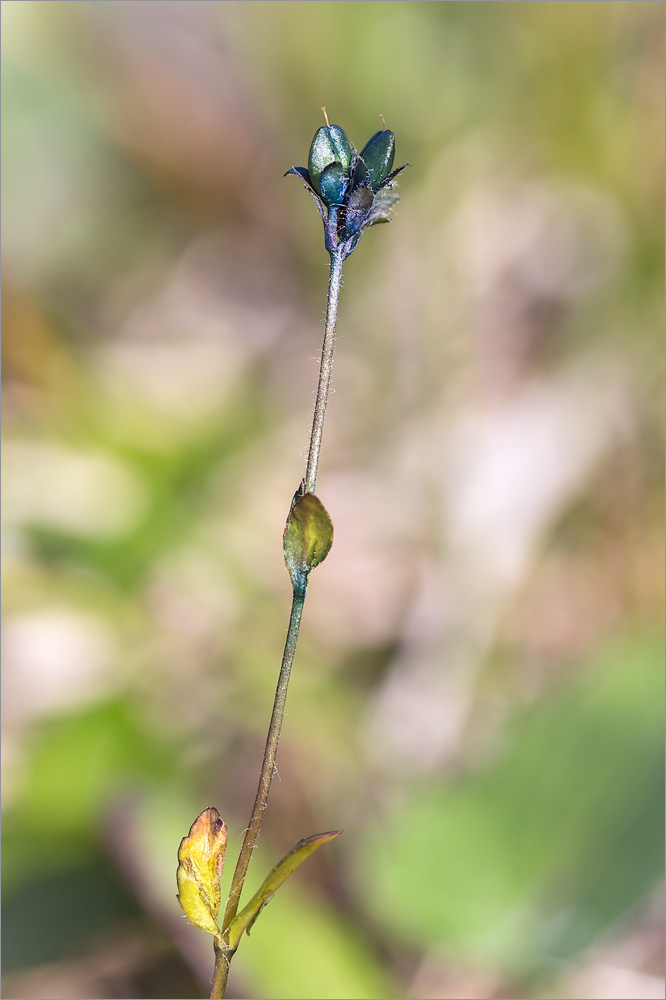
(200,863)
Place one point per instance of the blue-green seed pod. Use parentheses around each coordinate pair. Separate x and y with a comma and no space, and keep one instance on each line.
(330,145)
(333,184)
(378,154)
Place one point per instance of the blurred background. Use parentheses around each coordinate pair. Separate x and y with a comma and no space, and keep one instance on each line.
(478,693)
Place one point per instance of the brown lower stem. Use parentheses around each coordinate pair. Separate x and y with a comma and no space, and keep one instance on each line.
(220,973)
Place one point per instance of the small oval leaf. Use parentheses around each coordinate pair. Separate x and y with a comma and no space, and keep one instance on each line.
(244,920)
(200,862)
(308,536)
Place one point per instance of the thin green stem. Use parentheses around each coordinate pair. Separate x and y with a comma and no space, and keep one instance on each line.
(266,776)
(268,764)
(325,372)
(222,954)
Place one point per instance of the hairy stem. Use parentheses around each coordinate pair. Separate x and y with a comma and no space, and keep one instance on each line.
(268,764)
(325,371)
(221,972)
(222,955)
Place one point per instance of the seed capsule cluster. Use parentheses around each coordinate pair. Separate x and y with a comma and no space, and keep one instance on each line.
(352,190)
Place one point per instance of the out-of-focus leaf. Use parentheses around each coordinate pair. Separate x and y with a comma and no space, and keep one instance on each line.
(89,898)
(77,764)
(283,869)
(545,847)
(174,483)
(304,949)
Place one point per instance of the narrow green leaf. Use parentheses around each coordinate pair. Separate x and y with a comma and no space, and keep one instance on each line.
(283,869)
(308,536)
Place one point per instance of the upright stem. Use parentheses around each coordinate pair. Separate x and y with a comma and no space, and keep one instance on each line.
(223,957)
(325,371)
(222,954)
(220,973)
(268,765)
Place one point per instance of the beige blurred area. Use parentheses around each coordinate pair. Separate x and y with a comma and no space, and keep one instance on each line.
(477,697)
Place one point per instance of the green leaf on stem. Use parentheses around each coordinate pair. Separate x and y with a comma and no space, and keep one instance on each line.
(308,536)
(304,848)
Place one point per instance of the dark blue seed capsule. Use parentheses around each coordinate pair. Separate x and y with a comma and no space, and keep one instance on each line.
(330,145)
(378,155)
(333,184)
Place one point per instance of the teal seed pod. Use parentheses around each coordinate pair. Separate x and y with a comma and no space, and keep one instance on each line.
(378,154)
(352,191)
(333,184)
(342,146)
(330,145)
